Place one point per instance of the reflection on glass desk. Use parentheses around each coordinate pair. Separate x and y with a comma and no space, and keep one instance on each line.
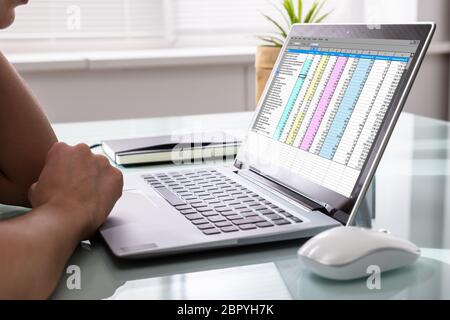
(410,197)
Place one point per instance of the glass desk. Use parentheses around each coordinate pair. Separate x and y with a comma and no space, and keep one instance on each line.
(410,198)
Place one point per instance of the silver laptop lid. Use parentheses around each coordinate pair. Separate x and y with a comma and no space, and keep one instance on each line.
(330,105)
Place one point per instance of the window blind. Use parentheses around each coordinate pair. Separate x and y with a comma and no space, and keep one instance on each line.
(88,19)
(72,19)
(78,19)
(231,16)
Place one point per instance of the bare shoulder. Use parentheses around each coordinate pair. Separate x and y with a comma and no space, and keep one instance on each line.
(3,60)
(5,66)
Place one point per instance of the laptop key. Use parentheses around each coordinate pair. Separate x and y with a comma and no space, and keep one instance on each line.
(255,219)
(242,221)
(222,209)
(188,211)
(264,224)
(182,207)
(273,216)
(204,195)
(249,214)
(193,216)
(247,226)
(199,221)
(234,217)
(211,231)
(259,207)
(170,197)
(204,209)
(209,213)
(222,224)
(216,218)
(265,211)
(205,226)
(228,213)
(229,229)
(280,222)
(295,219)
(157,185)
(287,214)
(198,205)
(239,221)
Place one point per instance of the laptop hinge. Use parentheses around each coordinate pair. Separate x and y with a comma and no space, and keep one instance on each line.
(309,203)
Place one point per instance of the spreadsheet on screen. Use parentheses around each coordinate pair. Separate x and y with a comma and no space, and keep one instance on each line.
(326,103)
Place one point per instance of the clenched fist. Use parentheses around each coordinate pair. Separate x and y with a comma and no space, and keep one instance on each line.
(81,185)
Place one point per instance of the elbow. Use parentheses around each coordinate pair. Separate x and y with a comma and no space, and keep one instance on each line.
(14,193)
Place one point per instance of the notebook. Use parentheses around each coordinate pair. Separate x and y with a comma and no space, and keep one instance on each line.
(178,149)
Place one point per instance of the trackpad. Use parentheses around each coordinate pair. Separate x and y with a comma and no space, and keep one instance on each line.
(130,208)
(141,219)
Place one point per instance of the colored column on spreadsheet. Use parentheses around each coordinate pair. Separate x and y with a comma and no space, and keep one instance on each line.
(293,97)
(323,103)
(345,109)
(308,97)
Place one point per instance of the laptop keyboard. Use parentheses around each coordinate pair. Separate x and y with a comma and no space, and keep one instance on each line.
(217,204)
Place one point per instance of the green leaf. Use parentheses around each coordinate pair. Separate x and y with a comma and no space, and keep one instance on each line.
(292,14)
(311,12)
(283,32)
(300,9)
(323,17)
(289,6)
(283,14)
(319,8)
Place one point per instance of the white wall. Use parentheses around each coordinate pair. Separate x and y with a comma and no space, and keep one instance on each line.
(81,95)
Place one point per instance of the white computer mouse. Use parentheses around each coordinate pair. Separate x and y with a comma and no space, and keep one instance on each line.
(345,253)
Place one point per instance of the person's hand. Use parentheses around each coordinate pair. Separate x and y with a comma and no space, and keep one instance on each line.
(83,187)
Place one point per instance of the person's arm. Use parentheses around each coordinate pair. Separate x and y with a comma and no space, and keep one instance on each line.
(73,196)
(25,137)
(33,251)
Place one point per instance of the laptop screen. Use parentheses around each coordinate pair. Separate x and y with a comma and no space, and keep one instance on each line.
(325,104)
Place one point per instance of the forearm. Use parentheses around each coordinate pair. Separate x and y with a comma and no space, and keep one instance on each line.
(34,249)
(25,137)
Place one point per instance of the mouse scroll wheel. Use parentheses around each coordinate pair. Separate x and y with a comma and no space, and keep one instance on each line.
(384,231)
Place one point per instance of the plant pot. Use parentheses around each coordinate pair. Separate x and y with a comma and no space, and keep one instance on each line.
(266,57)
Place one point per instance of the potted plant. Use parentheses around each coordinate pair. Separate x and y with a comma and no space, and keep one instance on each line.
(266,54)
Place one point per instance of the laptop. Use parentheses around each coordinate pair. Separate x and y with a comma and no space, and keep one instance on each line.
(316,138)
